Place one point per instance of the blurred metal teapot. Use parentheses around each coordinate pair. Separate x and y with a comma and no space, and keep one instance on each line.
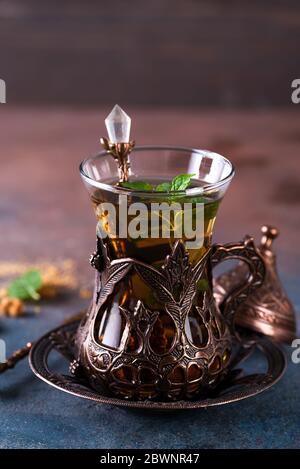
(267,310)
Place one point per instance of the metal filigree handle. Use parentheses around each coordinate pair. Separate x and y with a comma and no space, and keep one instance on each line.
(246,252)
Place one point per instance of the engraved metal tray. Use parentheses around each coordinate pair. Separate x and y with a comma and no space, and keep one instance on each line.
(51,354)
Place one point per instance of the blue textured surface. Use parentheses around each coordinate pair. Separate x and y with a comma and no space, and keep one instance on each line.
(35,415)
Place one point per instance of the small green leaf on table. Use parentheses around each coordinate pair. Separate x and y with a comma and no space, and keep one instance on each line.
(26,286)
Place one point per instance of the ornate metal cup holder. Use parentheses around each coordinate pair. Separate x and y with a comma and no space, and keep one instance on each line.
(237,385)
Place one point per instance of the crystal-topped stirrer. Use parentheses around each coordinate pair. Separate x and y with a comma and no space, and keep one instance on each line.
(118,125)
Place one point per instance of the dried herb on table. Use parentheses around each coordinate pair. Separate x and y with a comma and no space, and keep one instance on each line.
(33,282)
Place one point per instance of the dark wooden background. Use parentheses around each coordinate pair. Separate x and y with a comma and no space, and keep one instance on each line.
(158,52)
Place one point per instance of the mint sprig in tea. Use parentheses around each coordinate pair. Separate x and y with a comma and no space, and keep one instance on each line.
(173,210)
(178,183)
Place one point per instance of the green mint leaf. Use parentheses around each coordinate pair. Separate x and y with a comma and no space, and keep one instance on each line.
(181,182)
(137,185)
(163,187)
(26,286)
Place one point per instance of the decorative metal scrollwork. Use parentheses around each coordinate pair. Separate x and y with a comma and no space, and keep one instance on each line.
(197,339)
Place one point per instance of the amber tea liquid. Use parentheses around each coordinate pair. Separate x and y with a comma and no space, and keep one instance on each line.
(110,326)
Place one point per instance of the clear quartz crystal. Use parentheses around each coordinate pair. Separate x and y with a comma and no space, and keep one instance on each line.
(118,125)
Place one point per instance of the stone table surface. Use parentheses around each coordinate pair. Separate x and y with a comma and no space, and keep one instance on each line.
(45,215)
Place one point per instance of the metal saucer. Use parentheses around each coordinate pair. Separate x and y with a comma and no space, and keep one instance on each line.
(239,384)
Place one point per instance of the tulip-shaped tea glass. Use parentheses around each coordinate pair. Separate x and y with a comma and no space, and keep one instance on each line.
(153,330)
